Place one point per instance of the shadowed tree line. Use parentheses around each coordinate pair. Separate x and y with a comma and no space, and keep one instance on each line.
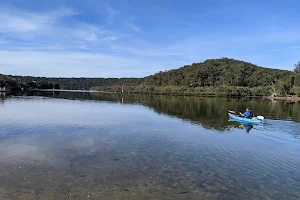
(218,77)
(18,83)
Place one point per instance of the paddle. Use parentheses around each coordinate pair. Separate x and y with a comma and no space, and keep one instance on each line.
(260,117)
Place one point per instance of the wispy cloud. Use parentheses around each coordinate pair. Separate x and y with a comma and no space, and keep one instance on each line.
(92,33)
(3,41)
(150,51)
(18,21)
(77,64)
(17,24)
(133,27)
(48,29)
(111,13)
(87,33)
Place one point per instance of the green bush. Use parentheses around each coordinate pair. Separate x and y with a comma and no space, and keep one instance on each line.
(296,91)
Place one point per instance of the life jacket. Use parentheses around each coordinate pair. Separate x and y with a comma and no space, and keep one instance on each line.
(251,114)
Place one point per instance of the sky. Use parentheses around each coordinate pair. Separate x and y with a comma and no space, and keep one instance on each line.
(137,38)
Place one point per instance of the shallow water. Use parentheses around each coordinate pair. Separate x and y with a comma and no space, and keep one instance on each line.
(97,146)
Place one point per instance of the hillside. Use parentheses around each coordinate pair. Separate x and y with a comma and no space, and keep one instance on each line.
(219,72)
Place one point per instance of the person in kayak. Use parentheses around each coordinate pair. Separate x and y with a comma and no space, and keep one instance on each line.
(248,114)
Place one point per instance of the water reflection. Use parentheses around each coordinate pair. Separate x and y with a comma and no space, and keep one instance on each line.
(2,95)
(107,146)
(246,127)
(209,112)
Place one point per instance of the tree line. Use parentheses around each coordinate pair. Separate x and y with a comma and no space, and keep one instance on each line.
(18,83)
(223,77)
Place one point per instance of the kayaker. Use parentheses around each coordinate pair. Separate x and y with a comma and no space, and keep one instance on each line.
(247,114)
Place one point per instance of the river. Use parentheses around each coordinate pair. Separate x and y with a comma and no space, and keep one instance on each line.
(67,145)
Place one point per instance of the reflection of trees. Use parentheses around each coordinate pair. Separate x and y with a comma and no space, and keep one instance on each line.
(209,112)
(2,97)
(197,110)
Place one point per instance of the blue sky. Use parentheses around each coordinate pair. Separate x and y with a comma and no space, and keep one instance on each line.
(136,38)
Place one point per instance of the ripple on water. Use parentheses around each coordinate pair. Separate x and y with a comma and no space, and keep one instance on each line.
(103,152)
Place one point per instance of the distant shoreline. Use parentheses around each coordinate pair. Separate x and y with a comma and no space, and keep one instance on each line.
(61,90)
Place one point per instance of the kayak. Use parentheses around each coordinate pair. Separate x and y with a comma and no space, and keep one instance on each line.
(243,120)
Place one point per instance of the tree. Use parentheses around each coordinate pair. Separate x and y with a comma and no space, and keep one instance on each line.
(297,67)
(56,86)
(32,84)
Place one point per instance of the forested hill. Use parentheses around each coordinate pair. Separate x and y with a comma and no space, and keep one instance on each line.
(219,77)
(219,72)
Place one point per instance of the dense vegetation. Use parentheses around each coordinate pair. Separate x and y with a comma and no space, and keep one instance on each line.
(223,77)
(29,82)
(218,72)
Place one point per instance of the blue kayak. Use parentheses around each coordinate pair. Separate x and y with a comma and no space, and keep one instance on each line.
(244,120)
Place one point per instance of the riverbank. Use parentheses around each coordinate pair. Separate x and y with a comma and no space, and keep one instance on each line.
(287,98)
(61,90)
(229,91)
(213,91)
(209,94)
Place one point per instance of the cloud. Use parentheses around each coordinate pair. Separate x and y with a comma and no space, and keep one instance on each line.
(91,33)
(17,21)
(36,30)
(133,27)
(111,14)
(87,33)
(78,64)
(3,41)
(16,24)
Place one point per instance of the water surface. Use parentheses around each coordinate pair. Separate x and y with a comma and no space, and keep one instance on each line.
(108,146)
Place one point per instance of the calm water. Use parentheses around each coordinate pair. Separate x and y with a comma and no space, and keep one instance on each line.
(96,146)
